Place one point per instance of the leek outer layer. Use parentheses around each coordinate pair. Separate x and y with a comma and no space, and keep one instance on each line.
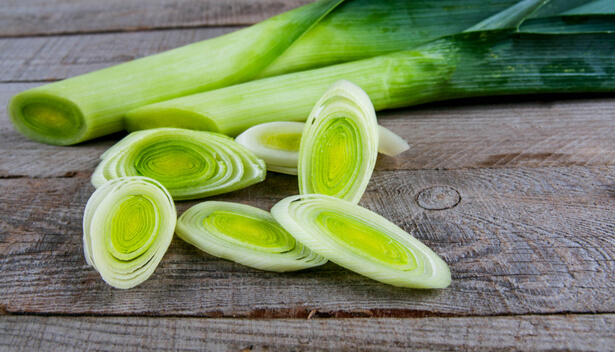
(190,164)
(246,235)
(277,143)
(128,225)
(339,146)
(361,240)
(94,104)
(464,65)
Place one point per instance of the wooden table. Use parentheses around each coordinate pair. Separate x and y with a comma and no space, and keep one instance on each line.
(517,194)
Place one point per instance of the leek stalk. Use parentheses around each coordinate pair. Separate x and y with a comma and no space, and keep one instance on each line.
(93,105)
(128,225)
(463,65)
(361,240)
(190,164)
(246,235)
(316,35)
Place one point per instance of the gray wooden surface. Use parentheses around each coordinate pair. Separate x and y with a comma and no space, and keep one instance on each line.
(530,242)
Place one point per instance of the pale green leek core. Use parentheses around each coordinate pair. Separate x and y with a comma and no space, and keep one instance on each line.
(246,235)
(361,240)
(277,143)
(190,164)
(339,146)
(128,225)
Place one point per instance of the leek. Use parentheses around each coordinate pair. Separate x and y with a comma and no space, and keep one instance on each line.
(339,145)
(361,240)
(128,225)
(190,164)
(93,105)
(246,235)
(469,64)
(316,35)
(277,143)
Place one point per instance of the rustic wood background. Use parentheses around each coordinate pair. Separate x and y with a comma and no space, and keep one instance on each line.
(517,194)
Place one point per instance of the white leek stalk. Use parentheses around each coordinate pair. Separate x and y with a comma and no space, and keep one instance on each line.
(339,146)
(277,143)
(246,235)
(128,225)
(190,164)
(361,240)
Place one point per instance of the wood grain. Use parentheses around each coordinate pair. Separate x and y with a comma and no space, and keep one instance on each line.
(536,333)
(42,17)
(520,241)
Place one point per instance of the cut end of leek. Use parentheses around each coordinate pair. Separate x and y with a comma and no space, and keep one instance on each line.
(246,235)
(390,143)
(47,118)
(339,145)
(190,164)
(362,241)
(128,225)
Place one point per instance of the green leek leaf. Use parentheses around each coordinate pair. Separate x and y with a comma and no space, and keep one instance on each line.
(190,164)
(339,146)
(128,225)
(361,240)
(246,235)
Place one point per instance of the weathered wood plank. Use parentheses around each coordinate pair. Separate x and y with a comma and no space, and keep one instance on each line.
(59,57)
(36,17)
(535,333)
(520,241)
(505,132)
(481,133)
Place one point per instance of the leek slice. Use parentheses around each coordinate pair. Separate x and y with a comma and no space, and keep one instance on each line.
(190,164)
(246,235)
(339,146)
(464,65)
(361,240)
(128,225)
(277,143)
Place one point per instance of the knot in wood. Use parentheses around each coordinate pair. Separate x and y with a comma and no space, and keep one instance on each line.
(438,198)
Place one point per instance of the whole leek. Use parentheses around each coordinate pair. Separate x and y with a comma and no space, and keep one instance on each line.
(493,62)
(94,104)
(316,35)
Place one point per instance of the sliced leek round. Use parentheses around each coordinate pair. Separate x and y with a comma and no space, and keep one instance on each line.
(277,143)
(361,240)
(128,225)
(246,235)
(339,145)
(190,164)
